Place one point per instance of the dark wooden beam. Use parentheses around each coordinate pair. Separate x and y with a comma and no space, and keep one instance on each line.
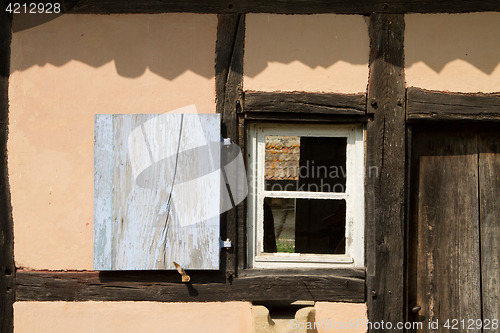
(305,103)
(438,106)
(281,6)
(229,91)
(385,171)
(7,268)
(303,117)
(337,286)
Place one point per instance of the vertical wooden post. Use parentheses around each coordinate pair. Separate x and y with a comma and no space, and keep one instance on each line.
(229,92)
(7,268)
(386,171)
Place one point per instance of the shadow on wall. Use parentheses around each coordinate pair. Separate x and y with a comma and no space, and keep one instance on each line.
(166,44)
(313,40)
(170,44)
(437,39)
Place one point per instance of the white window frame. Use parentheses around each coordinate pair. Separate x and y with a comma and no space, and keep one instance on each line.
(354,197)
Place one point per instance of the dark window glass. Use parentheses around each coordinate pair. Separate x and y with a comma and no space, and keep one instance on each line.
(311,164)
(304,225)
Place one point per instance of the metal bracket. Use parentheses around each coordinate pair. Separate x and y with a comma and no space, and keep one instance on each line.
(225,244)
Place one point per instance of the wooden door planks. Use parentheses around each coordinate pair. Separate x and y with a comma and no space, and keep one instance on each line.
(7,268)
(445,164)
(385,137)
(489,184)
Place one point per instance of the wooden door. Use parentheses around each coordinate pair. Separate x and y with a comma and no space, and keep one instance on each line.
(454,227)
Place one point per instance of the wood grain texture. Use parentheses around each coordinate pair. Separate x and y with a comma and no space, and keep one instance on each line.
(305,103)
(445,164)
(7,267)
(281,7)
(304,118)
(242,208)
(385,154)
(227,30)
(229,87)
(409,241)
(489,185)
(333,286)
(425,105)
(157,191)
(103,191)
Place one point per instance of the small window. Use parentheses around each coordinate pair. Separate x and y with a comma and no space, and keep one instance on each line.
(306,198)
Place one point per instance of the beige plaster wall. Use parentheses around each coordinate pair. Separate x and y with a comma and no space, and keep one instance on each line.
(64,72)
(314,53)
(341,317)
(233,317)
(133,317)
(454,52)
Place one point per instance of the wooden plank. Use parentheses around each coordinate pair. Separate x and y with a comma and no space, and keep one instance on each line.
(229,87)
(304,117)
(227,33)
(160,206)
(489,185)
(448,257)
(385,171)
(7,267)
(439,106)
(355,273)
(86,286)
(242,207)
(409,241)
(103,191)
(282,7)
(310,103)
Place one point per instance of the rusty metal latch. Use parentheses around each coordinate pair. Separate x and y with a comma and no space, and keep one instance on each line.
(185,277)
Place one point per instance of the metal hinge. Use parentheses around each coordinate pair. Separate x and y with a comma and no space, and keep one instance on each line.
(225,244)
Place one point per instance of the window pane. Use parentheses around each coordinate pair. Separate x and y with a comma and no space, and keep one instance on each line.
(313,164)
(304,226)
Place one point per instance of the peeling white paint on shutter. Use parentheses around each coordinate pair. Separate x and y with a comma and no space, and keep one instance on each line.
(157,186)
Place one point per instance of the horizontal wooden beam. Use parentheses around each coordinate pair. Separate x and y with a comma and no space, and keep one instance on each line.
(300,102)
(304,118)
(280,6)
(423,105)
(298,106)
(346,285)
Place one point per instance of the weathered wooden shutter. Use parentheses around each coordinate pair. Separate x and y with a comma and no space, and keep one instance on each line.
(157,195)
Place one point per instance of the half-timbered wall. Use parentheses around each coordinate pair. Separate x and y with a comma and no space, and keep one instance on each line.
(67,70)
